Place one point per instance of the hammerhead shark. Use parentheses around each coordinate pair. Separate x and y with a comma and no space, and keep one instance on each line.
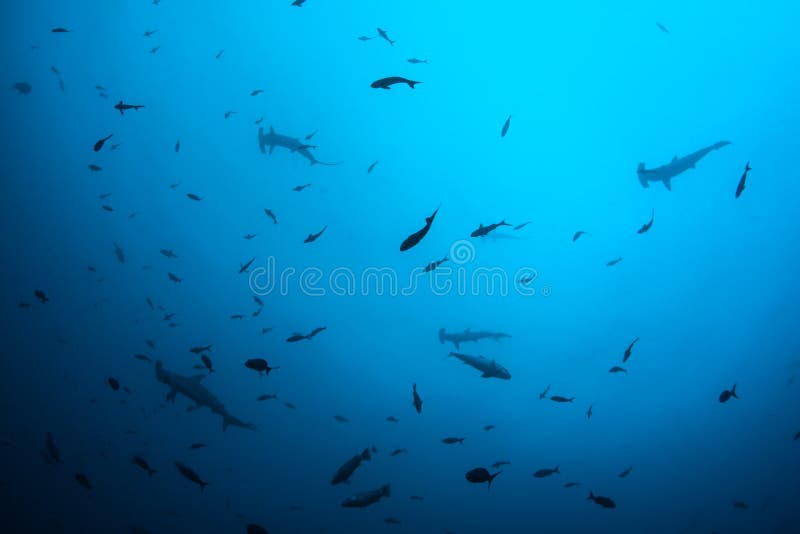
(667,172)
(457,338)
(488,368)
(273,139)
(191,388)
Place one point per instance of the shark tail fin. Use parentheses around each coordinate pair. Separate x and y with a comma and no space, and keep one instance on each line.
(412,83)
(261,144)
(668,184)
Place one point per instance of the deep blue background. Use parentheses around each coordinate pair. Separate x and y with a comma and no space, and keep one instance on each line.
(594,88)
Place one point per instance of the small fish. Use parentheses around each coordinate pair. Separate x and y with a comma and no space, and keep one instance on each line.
(298,3)
(122,107)
(504,130)
(559,398)
(453,441)
(23,88)
(258,120)
(192,196)
(543,394)
(796,437)
(168,253)
(195,446)
(271,215)
(313,237)
(148,33)
(364,38)
(83,480)
(366,498)
(434,264)
(627,353)
(201,349)
(385,36)
(115,146)
(500,464)
(483,231)
(740,186)
(178,145)
(267,396)
(371,167)
(662,28)
(107,207)
(155,49)
(139,461)
(487,428)
(289,404)
(412,240)
(189,474)
(198,367)
(543,473)
(479,475)
(416,498)
(150,343)
(174,278)
(741,505)
(417,400)
(387,83)
(522,225)
(258,301)
(143,357)
(253,528)
(207,362)
(312,134)
(726,395)
(589,411)
(248,237)
(50,453)
(577,235)
(393,419)
(341,419)
(219,55)
(243,267)
(618,369)
(60,30)
(260,365)
(114,383)
(571,484)
(391,521)
(266,330)
(39,294)
(229,113)
(646,226)
(237,316)
(614,262)
(415,61)
(626,472)
(605,502)
(94,168)
(98,146)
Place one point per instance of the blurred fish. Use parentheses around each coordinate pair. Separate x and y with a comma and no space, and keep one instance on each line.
(571,484)
(267,396)
(253,528)
(605,502)
(417,400)
(113,383)
(313,237)
(229,113)
(559,398)
(200,350)
(174,278)
(256,92)
(344,473)
(433,265)
(741,505)
(40,295)
(543,473)
(416,61)
(341,419)
(141,462)
(119,253)
(248,237)
(192,196)
(148,33)
(23,88)
(271,215)
(365,38)
(483,231)
(290,405)
(243,267)
(662,28)
(392,521)
(589,411)
(83,480)
(417,236)
(392,419)
(219,55)
(577,235)
(60,30)
(487,428)
(479,475)
(743,179)
(646,226)
(195,446)
(207,363)
(627,353)
(367,498)
(371,167)
(95,168)
(294,338)
(123,107)
(189,474)
(388,82)
(614,261)
(385,36)
(50,453)
(626,472)
(617,369)
(260,365)
(98,146)
(299,188)
(726,395)
(453,441)
(178,145)
(543,394)
(143,358)
(504,130)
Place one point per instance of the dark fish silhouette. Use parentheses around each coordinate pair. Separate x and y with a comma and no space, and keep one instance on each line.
(626,472)
(398,452)
(207,362)
(39,294)
(300,337)
(189,474)
(504,131)
(417,236)
(386,83)
(313,237)
(244,267)
(646,226)
(299,188)
(614,262)
(417,400)
(23,88)
(571,484)
(559,398)
(589,411)
(98,146)
(271,215)
(365,38)
(366,498)
(740,186)
(726,395)
(577,235)
(94,168)
(543,394)
(344,473)
(50,453)
(148,33)
(662,28)
(482,230)
(253,528)
(385,36)
(195,446)
(192,196)
(522,225)
(260,365)
(200,350)
(543,473)
(453,441)
(83,480)
(139,461)
(298,3)
(627,353)
(618,369)
(371,167)
(122,107)
(60,30)
(479,475)
(416,61)
(605,502)
(434,264)
(741,505)
(113,383)
(174,278)
(178,145)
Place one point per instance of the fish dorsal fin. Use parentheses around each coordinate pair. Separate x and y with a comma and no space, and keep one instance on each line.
(272,130)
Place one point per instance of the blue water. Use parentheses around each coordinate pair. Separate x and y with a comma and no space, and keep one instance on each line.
(593,89)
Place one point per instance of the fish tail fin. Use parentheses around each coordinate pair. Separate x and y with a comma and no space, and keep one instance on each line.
(590,497)
(261,143)
(492,477)
(387,490)
(412,83)
(733,392)
(441,336)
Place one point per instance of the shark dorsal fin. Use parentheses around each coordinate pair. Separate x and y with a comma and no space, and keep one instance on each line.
(272,130)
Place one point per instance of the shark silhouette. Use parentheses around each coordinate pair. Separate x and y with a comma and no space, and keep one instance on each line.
(273,139)
(667,172)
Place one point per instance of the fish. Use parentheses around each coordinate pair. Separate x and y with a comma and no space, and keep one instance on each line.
(260,365)
(666,173)
(123,107)
(391,521)
(626,472)
(415,61)
(269,213)
(522,225)
(143,358)
(50,453)
(416,498)
(417,400)
(796,437)
(60,30)
(543,394)
(40,295)
(207,362)
(313,237)
(98,146)
(559,398)
(174,278)
(487,428)
(299,188)
(139,461)
(363,38)
(229,113)
(627,353)
(155,49)
(453,441)
(177,146)
(289,405)
(219,54)
(113,383)
(740,186)
(341,419)
(347,469)
(168,253)
(741,505)
(543,473)
(385,36)
(614,261)
(312,134)
(388,82)
(94,168)
(266,330)
(577,235)
(192,196)
(83,480)
(267,396)
(456,338)
(618,369)
(195,446)
(256,92)
(393,419)
(148,33)
(412,240)
(249,237)
(23,88)
(245,266)
(500,463)
(479,475)
(488,368)
(398,452)
(258,301)
(294,145)
(253,528)
(482,230)
(367,498)
(662,28)
(190,475)
(434,264)
(605,502)
(107,208)
(589,411)
(150,343)
(299,337)
(646,226)
(571,484)
(726,395)
(200,349)
(371,167)
(298,3)
(504,130)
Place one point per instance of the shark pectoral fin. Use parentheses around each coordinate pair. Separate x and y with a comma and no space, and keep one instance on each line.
(486,375)
(171,395)
(271,148)
(667,184)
